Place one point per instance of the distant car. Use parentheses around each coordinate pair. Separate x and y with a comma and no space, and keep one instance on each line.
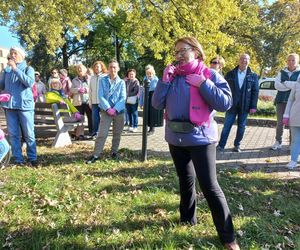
(267,88)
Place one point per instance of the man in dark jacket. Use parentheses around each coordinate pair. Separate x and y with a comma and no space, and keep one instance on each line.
(244,87)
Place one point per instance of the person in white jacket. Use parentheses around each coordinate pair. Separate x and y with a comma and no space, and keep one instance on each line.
(291,118)
(100,70)
(284,82)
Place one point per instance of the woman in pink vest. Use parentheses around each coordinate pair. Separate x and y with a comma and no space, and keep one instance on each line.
(190,92)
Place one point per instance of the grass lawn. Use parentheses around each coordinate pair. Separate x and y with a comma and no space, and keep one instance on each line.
(127,204)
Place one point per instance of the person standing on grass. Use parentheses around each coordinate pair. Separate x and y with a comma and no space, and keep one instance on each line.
(18,80)
(189,92)
(79,91)
(284,82)
(244,87)
(100,70)
(112,94)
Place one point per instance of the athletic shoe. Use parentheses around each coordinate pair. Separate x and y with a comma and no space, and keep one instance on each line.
(276,146)
(92,159)
(291,165)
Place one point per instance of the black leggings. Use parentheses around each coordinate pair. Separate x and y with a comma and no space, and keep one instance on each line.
(200,161)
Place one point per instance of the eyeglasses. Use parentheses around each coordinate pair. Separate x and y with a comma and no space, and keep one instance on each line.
(54,72)
(214,62)
(182,51)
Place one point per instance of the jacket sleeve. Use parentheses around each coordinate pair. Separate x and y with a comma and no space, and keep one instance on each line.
(216,93)
(289,103)
(26,77)
(280,85)
(90,91)
(254,93)
(2,79)
(104,104)
(160,95)
(74,88)
(120,105)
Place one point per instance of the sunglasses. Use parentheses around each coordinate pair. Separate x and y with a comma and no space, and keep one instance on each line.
(214,62)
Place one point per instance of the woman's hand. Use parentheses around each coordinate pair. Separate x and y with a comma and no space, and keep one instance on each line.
(195,79)
(111,112)
(168,74)
(286,121)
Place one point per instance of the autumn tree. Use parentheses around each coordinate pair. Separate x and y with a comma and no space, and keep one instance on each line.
(60,22)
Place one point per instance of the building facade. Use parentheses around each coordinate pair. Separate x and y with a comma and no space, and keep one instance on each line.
(3,57)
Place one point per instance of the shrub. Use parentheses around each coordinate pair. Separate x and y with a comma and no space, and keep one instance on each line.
(265,107)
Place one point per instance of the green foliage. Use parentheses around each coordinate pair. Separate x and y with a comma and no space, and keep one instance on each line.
(266,108)
(147,30)
(127,204)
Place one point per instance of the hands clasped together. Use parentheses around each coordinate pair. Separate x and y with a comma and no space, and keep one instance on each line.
(111,112)
(192,79)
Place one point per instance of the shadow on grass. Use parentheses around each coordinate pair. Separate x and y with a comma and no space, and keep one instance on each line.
(259,197)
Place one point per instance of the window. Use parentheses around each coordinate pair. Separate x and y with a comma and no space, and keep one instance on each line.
(267,85)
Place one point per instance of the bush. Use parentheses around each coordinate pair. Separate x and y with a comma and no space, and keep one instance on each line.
(265,108)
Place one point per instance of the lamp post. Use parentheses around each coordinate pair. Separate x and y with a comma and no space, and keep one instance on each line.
(145,119)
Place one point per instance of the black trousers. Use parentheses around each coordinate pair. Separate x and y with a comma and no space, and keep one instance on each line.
(200,162)
(84,108)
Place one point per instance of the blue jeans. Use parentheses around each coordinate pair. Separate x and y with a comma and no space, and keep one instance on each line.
(17,120)
(295,146)
(95,117)
(132,111)
(229,120)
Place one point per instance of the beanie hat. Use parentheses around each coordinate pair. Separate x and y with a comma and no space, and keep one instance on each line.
(19,50)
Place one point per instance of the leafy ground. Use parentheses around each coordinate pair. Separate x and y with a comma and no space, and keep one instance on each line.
(127,204)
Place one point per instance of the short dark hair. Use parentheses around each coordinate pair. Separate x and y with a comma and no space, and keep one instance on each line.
(130,70)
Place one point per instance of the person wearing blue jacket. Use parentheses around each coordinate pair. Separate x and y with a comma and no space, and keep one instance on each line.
(17,80)
(190,92)
(244,87)
(112,96)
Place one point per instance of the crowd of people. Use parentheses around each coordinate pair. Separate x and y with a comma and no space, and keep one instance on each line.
(189,92)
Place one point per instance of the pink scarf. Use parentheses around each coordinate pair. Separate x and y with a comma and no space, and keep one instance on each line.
(199,110)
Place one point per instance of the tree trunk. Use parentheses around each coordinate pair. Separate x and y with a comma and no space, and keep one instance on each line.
(65,56)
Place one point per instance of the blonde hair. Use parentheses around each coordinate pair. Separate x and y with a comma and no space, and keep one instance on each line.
(151,68)
(294,55)
(193,42)
(81,66)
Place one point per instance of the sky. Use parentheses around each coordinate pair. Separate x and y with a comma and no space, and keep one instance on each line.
(7,39)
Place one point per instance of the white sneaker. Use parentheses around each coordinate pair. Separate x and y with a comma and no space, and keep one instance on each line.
(134,130)
(291,165)
(130,129)
(276,145)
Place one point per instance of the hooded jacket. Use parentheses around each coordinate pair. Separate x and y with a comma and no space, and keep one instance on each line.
(19,85)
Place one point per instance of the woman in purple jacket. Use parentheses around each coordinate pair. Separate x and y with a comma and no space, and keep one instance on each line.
(190,92)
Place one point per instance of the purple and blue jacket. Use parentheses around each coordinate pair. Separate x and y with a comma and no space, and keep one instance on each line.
(174,97)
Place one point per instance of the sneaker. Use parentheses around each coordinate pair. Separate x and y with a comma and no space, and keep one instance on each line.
(220,149)
(115,156)
(237,149)
(276,145)
(33,164)
(291,165)
(134,130)
(92,159)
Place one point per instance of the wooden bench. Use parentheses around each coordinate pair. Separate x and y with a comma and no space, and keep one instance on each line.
(53,114)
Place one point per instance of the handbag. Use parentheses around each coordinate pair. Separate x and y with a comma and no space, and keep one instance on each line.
(131,99)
